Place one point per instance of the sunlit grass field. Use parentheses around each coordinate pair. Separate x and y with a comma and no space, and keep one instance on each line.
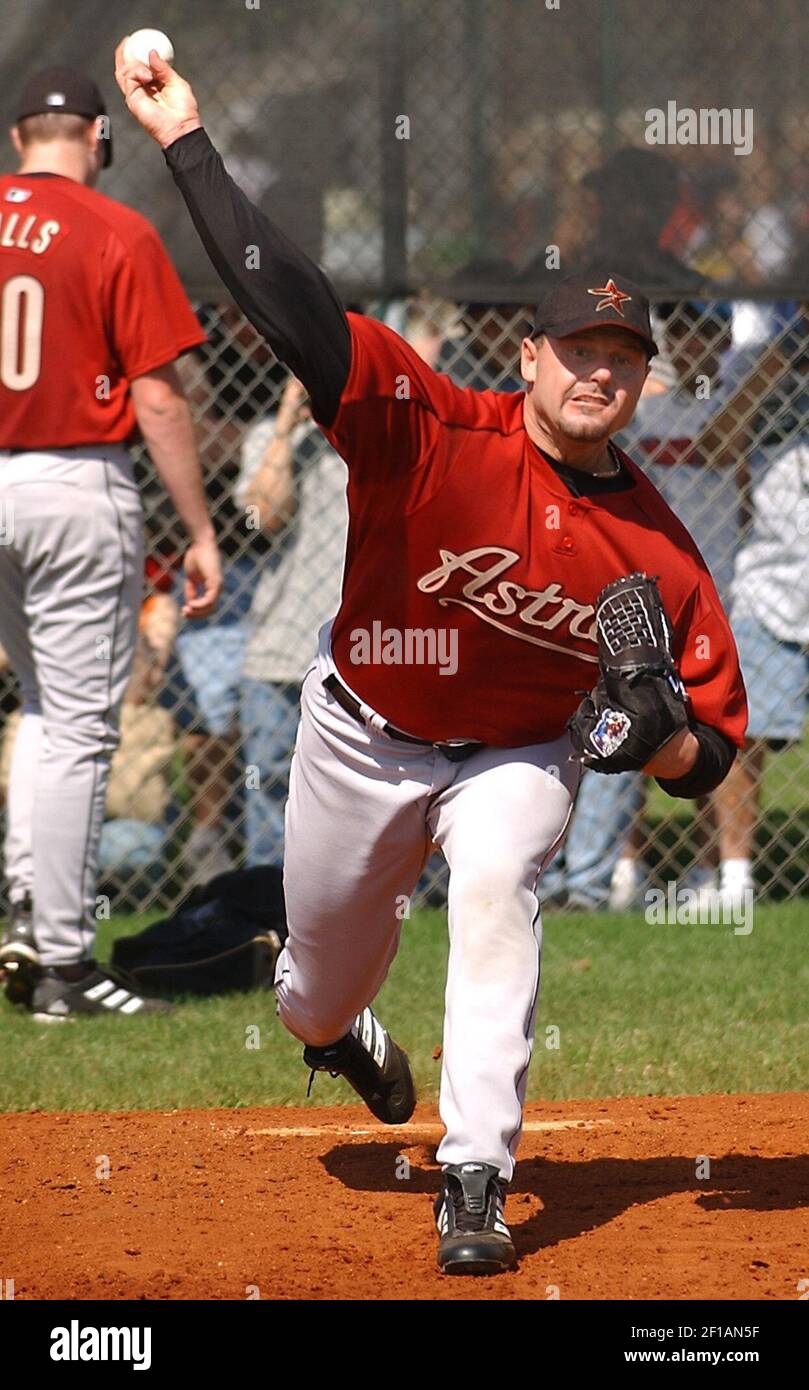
(627,1008)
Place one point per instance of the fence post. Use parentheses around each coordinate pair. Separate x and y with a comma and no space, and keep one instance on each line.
(392,88)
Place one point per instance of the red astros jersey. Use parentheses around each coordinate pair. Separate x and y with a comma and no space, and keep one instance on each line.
(89,300)
(457,522)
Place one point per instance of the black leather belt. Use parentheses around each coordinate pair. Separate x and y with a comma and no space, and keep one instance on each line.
(456,752)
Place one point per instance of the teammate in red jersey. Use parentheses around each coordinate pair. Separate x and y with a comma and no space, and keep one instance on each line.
(92,319)
(482,527)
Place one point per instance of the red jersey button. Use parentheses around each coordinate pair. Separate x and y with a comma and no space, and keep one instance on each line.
(573,509)
(568,542)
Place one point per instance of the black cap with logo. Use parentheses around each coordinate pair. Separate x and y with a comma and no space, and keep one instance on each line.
(67,92)
(595,301)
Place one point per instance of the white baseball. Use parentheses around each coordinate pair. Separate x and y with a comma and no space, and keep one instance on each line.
(139,45)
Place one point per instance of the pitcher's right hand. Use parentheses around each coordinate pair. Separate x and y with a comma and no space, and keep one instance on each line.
(158,97)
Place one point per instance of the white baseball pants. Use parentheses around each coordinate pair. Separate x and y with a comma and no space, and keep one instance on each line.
(71,581)
(362,814)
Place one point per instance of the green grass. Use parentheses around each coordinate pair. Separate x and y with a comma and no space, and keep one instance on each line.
(640,1009)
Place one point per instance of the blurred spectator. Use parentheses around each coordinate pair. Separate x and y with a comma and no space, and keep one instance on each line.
(293,486)
(741,240)
(626,209)
(770,619)
(699,483)
(483,347)
(743,208)
(637,192)
(136,833)
(771,622)
(236,386)
(717,247)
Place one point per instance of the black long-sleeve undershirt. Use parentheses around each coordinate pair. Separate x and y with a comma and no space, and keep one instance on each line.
(286,297)
(295,308)
(714,761)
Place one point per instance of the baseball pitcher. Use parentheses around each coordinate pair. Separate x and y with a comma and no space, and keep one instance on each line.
(501,559)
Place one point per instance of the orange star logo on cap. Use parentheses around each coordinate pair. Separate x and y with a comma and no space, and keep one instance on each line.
(613,297)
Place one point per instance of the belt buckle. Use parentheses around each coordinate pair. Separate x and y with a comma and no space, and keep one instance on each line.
(457,749)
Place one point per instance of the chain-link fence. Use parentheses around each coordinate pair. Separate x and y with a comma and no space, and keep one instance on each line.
(442,162)
(477,146)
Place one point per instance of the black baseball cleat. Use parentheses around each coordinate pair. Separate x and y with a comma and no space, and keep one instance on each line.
(55,999)
(17,944)
(19,957)
(469,1214)
(373,1065)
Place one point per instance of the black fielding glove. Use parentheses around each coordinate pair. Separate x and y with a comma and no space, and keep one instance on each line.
(639,702)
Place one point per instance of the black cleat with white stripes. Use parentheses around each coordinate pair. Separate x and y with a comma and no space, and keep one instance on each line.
(470,1217)
(17,945)
(372,1063)
(55,999)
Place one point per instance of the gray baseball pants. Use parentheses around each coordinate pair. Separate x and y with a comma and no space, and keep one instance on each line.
(71,582)
(363,811)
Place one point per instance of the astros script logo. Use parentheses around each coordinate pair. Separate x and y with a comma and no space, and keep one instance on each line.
(507,605)
(613,297)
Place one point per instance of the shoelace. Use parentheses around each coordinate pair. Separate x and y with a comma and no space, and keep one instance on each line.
(313,1073)
(468,1222)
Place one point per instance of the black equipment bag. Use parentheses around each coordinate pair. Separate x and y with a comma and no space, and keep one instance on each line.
(224,936)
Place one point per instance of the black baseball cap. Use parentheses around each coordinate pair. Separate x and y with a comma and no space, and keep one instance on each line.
(595,300)
(67,92)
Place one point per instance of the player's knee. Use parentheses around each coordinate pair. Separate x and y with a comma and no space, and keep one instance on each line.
(489,888)
(314,1030)
(492,911)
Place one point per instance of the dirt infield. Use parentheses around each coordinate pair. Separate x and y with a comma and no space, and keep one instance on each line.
(318,1203)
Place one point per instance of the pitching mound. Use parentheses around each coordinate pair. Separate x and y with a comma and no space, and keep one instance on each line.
(700,1197)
